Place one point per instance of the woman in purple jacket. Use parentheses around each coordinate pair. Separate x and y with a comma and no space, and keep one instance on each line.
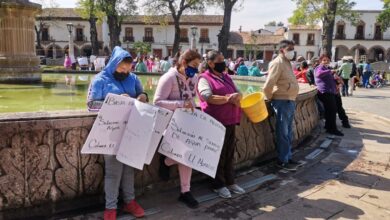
(220,98)
(327,90)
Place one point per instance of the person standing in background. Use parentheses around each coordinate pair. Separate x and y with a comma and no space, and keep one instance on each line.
(141,67)
(367,71)
(281,88)
(165,65)
(345,72)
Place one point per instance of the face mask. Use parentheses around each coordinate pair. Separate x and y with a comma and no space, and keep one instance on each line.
(120,76)
(290,54)
(191,71)
(220,67)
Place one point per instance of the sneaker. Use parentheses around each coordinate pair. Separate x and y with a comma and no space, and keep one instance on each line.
(163,170)
(110,214)
(336,132)
(223,192)
(287,166)
(134,208)
(236,189)
(189,200)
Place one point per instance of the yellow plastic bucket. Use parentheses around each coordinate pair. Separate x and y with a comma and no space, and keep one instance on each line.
(254,107)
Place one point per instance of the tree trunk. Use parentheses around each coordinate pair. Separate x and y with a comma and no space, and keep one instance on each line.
(115,30)
(176,41)
(223,36)
(94,36)
(328,28)
(38,35)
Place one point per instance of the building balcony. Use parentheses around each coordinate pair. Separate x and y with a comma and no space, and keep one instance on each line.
(184,40)
(359,37)
(148,39)
(80,39)
(128,39)
(310,43)
(204,40)
(340,36)
(378,37)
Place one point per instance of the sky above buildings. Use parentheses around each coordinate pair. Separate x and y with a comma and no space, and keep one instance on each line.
(253,14)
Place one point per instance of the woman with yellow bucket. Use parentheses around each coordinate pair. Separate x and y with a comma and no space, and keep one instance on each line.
(220,98)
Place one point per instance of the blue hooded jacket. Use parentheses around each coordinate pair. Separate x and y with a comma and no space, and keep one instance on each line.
(104,82)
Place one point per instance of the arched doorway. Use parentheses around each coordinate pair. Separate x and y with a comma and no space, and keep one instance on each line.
(76,50)
(361,50)
(341,51)
(376,53)
(55,50)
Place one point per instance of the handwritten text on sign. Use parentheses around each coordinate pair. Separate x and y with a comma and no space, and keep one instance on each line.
(108,128)
(129,129)
(194,139)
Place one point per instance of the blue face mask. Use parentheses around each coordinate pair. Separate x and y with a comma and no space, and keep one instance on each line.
(191,71)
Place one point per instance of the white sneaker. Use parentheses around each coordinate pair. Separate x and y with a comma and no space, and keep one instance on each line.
(236,189)
(223,192)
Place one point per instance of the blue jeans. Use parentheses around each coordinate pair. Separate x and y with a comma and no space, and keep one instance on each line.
(366,79)
(284,112)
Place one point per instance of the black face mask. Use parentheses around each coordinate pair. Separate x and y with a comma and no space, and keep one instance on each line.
(220,67)
(120,76)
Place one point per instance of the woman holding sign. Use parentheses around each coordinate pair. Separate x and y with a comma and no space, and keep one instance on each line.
(176,89)
(220,98)
(117,79)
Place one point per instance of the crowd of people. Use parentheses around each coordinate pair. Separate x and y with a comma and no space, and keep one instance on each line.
(190,76)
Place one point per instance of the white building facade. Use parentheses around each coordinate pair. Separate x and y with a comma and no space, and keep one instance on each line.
(307,39)
(363,41)
(55,36)
(161,36)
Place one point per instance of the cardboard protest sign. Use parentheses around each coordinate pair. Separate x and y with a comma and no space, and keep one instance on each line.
(107,130)
(162,121)
(194,139)
(137,135)
(127,128)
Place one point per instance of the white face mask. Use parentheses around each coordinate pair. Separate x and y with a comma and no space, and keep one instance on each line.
(290,54)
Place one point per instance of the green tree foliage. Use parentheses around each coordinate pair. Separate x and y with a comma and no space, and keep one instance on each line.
(142,48)
(88,9)
(324,11)
(116,11)
(174,8)
(384,16)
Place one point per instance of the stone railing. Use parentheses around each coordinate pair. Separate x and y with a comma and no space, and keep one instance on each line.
(41,166)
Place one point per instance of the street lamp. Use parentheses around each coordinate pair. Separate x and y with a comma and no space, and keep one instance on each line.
(71,47)
(194,31)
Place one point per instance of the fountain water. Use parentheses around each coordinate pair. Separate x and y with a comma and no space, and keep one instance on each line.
(18,60)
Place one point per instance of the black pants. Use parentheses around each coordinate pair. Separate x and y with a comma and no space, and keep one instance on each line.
(330,105)
(225,170)
(340,110)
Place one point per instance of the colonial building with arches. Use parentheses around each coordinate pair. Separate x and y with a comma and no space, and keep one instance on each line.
(54,36)
(363,41)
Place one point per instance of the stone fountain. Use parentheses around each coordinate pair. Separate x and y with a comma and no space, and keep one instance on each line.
(18,60)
